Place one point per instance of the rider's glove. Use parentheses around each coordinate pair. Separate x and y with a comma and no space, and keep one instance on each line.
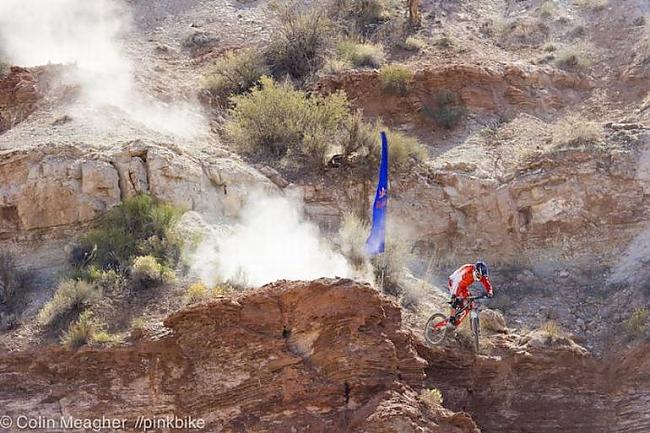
(489,295)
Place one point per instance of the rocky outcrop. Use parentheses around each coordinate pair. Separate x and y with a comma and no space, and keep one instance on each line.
(322,356)
(544,388)
(481,89)
(19,94)
(574,199)
(49,187)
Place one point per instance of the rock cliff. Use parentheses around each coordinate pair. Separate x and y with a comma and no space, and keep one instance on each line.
(322,356)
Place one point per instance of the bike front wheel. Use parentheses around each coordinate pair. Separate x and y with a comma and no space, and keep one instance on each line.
(476,326)
(435,329)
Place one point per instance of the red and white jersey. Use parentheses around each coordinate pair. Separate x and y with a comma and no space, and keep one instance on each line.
(462,278)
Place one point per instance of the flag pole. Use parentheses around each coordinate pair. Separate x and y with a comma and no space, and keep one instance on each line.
(376,240)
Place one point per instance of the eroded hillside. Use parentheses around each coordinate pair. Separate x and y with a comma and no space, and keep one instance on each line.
(327,356)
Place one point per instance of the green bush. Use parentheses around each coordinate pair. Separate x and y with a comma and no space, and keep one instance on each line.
(637,324)
(147,272)
(447,110)
(139,226)
(278,120)
(71,297)
(301,43)
(235,73)
(395,79)
(361,55)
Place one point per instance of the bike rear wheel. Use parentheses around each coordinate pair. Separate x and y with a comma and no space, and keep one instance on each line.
(434,333)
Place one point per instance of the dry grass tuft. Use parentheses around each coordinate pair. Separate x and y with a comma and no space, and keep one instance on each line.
(71,296)
(576,132)
(432,397)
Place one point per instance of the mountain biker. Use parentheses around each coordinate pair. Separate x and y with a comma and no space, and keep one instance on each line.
(459,283)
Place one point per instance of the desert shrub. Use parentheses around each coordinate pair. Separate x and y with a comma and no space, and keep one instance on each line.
(222,289)
(413,43)
(235,73)
(353,234)
(147,272)
(390,268)
(196,292)
(636,324)
(443,42)
(70,297)
(10,277)
(137,327)
(432,396)
(573,57)
(81,332)
(139,226)
(361,54)
(553,330)
(576,132)
(301,43)
(395,79)
(105,338)
(547,9)
(523,31)
(107,281)
(335,66)
(363,139)
(447,109)
(592,4)
(277,120)
(358,17)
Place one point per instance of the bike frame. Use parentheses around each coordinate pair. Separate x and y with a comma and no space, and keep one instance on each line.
(463,313)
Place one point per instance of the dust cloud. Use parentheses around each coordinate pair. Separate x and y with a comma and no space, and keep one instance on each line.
(270,240)
(90,35)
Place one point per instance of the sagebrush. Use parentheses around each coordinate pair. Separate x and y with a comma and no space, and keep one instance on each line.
(301,43)
(146,271)
(395,79)
(277,120)
(235,73)
(140,226)
(361,54)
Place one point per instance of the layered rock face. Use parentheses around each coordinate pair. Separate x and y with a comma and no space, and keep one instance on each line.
(546,389)
(571,200)
(481,89)
(322,356)
(45,188)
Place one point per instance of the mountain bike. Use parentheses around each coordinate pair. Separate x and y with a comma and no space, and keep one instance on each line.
(436,328)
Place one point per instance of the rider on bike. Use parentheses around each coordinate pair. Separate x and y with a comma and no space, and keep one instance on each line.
(459,283)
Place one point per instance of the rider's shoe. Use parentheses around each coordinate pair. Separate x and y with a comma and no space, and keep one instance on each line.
(450,325)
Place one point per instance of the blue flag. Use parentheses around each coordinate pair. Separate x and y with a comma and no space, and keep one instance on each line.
(376,241)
